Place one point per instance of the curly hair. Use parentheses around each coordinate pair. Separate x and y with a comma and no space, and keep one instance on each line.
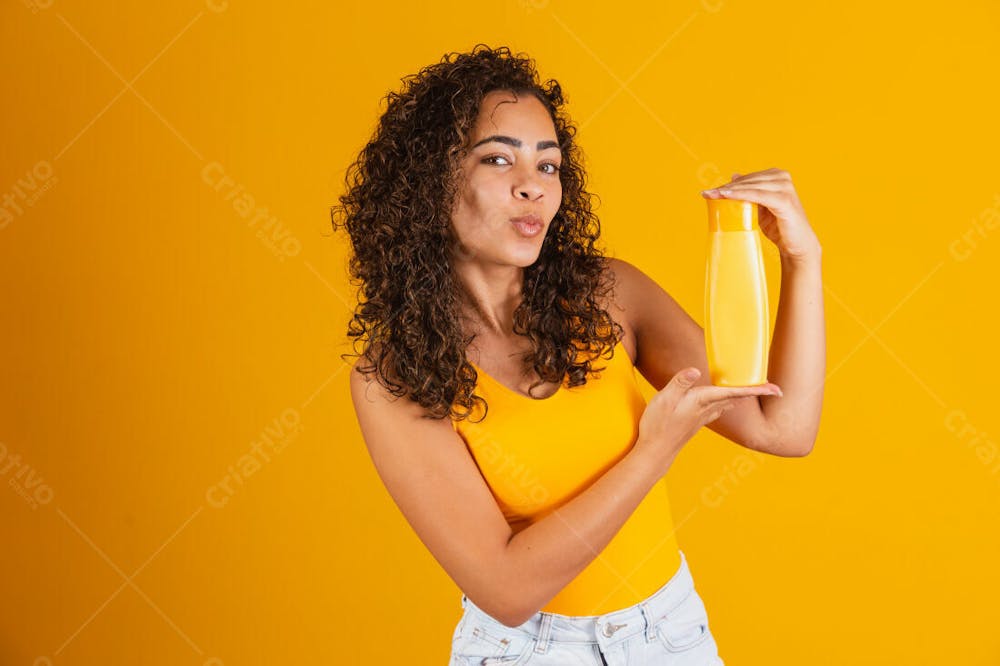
(397,211)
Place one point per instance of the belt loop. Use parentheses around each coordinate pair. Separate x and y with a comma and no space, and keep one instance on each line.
(647,616)
(542,646)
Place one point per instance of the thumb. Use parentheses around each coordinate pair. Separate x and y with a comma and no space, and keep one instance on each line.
(686,378)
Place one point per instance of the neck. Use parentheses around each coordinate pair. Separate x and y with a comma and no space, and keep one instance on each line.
(489,297)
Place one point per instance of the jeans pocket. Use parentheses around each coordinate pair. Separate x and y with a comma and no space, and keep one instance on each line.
(684,626)
(485,645)
(510,660)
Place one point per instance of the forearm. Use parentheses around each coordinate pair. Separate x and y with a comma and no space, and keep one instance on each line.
(797,358)
(543,558)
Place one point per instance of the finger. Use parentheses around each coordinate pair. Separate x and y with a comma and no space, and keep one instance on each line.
(685,379)
(734,189)
(778,174)
(716,411)
(765,197)
(718,393)
(723,405)
(761,183)
(768,175)
(757,178)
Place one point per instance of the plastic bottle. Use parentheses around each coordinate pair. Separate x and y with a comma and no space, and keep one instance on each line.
(736,311)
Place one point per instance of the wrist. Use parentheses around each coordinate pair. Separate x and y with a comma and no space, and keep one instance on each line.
(812,257)
(655,455)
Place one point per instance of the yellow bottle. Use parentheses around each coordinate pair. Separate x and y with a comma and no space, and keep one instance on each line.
(736,311)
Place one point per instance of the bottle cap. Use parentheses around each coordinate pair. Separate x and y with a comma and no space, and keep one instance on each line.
(732,215)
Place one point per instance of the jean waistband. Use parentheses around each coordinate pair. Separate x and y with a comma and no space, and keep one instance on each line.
(606,629)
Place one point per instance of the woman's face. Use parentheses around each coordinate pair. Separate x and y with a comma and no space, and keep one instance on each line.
(511,171)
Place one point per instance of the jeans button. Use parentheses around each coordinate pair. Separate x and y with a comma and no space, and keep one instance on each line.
(610,629)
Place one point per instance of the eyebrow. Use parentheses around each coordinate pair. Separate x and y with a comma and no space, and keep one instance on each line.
(511,141)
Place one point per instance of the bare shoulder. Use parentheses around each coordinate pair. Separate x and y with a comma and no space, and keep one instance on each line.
(668,339)
(434,480)
(622,301)
(665,334)
(626,275)
(374,401)
(636,292)
(366,385)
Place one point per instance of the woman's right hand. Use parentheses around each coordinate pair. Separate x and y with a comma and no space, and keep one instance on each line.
(680,409)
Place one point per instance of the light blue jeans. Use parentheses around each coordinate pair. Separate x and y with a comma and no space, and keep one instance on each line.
(670,627)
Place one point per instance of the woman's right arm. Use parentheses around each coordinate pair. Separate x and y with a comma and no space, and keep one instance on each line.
(436,484)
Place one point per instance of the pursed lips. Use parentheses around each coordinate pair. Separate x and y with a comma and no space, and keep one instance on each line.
(528,226)
(527,219)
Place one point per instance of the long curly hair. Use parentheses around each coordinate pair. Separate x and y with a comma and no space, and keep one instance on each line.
(397,210)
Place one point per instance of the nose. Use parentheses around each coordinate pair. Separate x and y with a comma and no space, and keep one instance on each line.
(527,184)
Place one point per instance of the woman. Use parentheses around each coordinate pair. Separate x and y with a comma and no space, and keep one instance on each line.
(535,478)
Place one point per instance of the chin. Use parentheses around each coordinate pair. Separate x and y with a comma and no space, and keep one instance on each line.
(525,260)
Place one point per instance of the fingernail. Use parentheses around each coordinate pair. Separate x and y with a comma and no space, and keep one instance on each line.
(726,191)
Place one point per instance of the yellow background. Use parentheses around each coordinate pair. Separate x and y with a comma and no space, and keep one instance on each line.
(183,477)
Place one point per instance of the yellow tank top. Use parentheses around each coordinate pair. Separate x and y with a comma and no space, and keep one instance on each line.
(537,454)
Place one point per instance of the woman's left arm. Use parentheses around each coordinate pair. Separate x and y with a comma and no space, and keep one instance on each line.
(797,357)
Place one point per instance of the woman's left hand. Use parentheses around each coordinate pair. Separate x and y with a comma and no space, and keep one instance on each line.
(781,217)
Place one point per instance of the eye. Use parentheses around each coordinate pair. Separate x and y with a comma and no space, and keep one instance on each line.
(555,167)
